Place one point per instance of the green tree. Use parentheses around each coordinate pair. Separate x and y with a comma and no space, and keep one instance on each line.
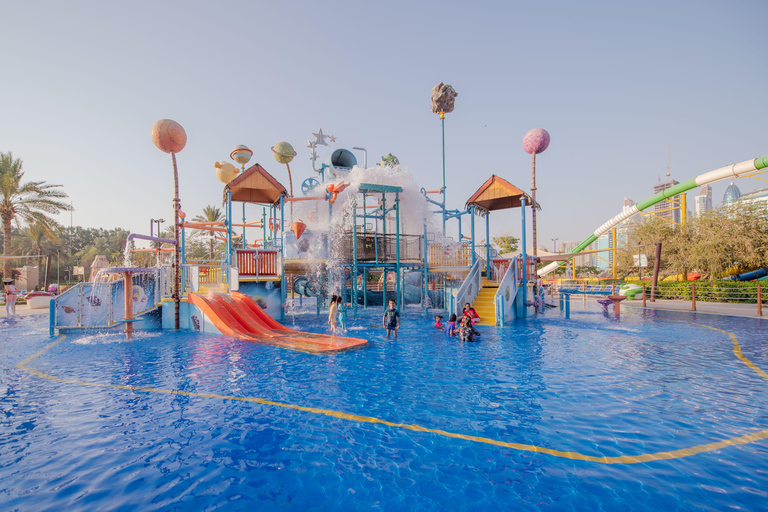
(32,202)
(505,243)
(210,214)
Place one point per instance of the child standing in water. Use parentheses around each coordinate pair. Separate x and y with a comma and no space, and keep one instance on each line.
(332,314)
(438,322)
(450,325)
(11,292)
(391,320)
(342,313)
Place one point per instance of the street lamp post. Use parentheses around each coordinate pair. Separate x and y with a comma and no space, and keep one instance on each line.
(152,222)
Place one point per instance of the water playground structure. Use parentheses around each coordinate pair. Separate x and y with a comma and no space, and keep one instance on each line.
(367,234)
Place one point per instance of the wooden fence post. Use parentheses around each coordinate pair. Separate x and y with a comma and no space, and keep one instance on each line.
(759,300)
(643,294)
(693,296)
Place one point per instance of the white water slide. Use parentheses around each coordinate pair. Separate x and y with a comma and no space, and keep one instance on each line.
(730,171)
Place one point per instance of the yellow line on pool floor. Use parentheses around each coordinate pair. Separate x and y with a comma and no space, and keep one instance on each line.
(622,459)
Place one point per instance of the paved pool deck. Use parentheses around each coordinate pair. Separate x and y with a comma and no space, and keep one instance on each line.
(23,310)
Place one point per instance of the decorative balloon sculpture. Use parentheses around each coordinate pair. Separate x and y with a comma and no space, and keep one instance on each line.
(170,137)
(535,141)
(443,98)
(284,153)
(242,155)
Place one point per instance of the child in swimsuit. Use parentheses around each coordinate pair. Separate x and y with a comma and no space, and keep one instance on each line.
(438,322)
(333,313)
(391,319)
(450,325)
(11,292)
(342,319)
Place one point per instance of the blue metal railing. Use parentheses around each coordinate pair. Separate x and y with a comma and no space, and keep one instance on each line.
(102,305)
(468,289)
(505,295)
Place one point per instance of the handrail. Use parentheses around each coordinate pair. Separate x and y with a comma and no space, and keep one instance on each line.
(509,281)
(152,238)
(469,288)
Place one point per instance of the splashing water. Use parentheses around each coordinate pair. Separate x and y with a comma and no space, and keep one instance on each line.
(127,254)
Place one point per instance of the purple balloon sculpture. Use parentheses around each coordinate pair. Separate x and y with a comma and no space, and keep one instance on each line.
(536,141)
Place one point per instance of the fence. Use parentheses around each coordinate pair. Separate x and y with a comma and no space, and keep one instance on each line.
(379,248)
(257,262)
(100,305)
(453,255)
(197,276)
(713,291)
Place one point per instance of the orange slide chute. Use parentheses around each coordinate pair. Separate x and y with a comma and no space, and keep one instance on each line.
(237,315)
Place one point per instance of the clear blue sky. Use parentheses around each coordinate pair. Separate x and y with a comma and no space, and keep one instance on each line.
(614,83)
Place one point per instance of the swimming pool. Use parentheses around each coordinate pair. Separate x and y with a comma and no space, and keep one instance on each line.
(657,410)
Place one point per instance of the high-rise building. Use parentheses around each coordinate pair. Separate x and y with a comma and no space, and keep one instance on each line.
(732,193)
(703,200)
(669,208)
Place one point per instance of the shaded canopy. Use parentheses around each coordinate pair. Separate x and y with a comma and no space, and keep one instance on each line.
(256,185)
(497,194)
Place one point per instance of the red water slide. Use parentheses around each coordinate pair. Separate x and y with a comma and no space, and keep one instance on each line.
(238,316)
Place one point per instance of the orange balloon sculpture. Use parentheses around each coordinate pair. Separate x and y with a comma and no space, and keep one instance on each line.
(169,136)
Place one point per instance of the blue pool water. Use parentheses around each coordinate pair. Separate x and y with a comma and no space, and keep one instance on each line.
(588,386)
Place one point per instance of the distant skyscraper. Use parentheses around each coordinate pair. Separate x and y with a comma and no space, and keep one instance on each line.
(703,200)
(732,193)
(664,209)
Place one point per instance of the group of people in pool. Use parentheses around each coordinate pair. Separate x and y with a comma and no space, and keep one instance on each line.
(337,316)
(464,327)
(337,319)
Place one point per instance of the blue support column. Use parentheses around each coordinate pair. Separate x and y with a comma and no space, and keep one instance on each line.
(472,216)
(442,125)
(353,277)
(182,256)
(330,248)
(243,225)
(283,284)
(229,228)
(524,256)
(263,227)
(426,271)
(384,275)
(488,245)
(398,276)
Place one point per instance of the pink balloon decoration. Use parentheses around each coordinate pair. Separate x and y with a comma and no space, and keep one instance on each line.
(536,141)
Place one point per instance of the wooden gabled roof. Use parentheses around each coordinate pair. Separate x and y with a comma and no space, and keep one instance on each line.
(256,185)
(498,194)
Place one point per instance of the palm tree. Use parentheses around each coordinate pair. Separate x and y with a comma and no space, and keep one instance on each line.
(37,239)
(32,202)
(210,214)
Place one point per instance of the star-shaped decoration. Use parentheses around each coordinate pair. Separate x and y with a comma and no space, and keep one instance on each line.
(310,144)
(332,138)
(320,138)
